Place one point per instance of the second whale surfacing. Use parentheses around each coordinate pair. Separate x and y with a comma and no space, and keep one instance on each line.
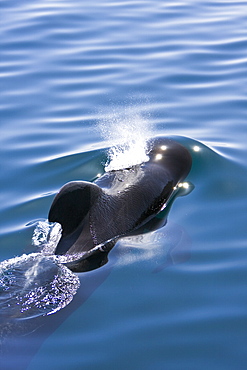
(93,216)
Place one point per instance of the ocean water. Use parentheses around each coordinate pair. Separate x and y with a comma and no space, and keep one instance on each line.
(80,77)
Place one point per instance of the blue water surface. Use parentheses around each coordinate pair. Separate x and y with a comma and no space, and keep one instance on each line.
(78,77)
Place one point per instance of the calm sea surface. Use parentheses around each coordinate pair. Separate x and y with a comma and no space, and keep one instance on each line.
(80,76)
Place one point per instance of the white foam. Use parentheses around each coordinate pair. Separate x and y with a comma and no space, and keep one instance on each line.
(46,236)
(34,285)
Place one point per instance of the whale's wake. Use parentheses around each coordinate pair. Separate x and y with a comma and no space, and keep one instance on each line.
(36,284)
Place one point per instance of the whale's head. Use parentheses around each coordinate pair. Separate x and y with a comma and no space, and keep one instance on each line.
(170,155)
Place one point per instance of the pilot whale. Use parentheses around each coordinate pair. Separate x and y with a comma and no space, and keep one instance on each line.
(93,216)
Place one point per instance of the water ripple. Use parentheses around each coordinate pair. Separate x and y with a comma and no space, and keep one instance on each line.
(79,76)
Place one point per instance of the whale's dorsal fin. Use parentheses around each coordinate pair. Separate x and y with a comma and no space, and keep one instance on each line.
(72,203)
